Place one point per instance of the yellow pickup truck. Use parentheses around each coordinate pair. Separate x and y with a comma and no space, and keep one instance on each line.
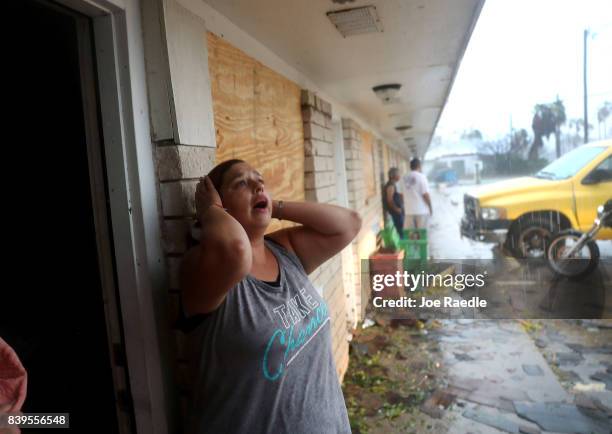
(523,212)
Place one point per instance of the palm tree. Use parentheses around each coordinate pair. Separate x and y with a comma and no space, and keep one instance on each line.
(576,125)
(560,118)
(602,117)
(542,125)
(547,120)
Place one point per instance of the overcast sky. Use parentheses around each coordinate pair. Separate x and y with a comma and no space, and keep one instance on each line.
(523,52)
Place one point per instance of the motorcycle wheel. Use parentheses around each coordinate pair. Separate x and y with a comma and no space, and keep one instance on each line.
(580,264)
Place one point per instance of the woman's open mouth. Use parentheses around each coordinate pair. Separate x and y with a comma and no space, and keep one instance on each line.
(261,205)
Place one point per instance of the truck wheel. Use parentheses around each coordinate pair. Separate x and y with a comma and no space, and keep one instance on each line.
(530,237)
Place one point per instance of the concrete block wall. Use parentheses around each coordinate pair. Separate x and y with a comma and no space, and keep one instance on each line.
(179,168)
(370,208)
(320,186)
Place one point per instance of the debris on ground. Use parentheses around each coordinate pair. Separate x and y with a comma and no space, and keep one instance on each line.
(589,387)
(563,418)
(437,403)
(491,419)
(568,358)
(480,376)
(367,323)
(533,370)
(463,357)
(391,373)
(604,377)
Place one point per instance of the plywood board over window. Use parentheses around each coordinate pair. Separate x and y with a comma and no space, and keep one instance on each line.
(385,159)
(367,155)
(257,118)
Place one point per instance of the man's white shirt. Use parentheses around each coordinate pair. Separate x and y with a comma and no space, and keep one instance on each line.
(413,186)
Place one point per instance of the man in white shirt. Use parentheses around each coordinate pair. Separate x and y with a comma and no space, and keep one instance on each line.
(417,203)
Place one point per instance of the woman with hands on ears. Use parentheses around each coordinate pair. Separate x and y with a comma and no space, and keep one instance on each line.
(262,332)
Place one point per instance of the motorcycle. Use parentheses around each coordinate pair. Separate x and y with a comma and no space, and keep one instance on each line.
(575,254)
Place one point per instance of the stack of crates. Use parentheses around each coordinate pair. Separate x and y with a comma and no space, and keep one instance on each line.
(414,245)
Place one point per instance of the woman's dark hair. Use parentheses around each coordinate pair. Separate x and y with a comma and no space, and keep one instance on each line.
(415,163)
(216,176)
(217,173)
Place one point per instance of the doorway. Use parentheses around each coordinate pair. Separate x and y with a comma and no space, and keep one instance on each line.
(62,314)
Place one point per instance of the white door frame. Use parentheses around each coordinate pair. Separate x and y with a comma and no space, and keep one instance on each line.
(132,194)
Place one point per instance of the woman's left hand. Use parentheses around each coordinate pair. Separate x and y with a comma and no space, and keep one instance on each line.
(326,229)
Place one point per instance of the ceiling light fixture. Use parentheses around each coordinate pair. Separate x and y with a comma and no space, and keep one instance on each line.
(402,128)
(387,93)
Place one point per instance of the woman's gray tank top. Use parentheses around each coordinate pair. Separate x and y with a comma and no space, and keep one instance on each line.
(264,359)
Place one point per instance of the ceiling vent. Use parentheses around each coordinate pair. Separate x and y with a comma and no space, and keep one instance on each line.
(356,21)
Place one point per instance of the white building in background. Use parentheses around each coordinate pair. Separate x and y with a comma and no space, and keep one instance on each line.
(461,155)
(466,165)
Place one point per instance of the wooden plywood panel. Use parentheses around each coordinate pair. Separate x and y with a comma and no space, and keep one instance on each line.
(385,159)
(367,155)
(257,119)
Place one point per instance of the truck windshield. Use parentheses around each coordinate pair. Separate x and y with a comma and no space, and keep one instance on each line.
(569,164)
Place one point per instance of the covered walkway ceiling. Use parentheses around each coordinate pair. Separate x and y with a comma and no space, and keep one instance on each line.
(420,47)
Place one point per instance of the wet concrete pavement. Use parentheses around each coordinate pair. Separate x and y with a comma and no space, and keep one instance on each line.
(540,376)
(480,376)
(504,383)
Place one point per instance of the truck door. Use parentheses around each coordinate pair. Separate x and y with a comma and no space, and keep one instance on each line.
(593,190)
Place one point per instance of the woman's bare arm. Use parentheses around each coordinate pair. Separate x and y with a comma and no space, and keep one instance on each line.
(220,261)
(326,230)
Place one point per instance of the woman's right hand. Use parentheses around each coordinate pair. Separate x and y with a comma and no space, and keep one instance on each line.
(206,195)
(222,259)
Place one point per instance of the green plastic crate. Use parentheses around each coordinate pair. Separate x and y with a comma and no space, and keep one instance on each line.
(422,233)
(415,254)
(415,251)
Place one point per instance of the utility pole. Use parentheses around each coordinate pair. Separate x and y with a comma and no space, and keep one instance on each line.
(584,68)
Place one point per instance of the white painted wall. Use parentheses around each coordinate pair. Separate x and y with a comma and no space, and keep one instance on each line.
(190,97)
